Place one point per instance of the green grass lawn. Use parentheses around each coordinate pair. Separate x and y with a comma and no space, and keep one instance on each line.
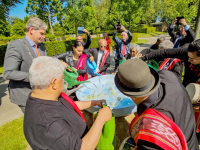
(1,69)
(144,35)
(12,136)
(140,42)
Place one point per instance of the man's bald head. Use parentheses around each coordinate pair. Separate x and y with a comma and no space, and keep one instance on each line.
(102,44)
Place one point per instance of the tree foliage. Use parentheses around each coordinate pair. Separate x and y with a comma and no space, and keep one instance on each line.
(45,9)
(79,13)
(96,15)
(5,7)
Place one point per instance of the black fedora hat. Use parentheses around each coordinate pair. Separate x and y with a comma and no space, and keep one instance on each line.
(136,79)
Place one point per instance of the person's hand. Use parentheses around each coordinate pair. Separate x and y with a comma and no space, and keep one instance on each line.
(105,114)
(115,27)
(174,21)
(123,29)
(183,22)
(69,70)
(113,73)
(98,71)
(65,64)
(139,55)
(98,103)
(91,58)
(75,69)
(86,31)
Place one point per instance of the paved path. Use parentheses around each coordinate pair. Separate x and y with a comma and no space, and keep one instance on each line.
(10,111)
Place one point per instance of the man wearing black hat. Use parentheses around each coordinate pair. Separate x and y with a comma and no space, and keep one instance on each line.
(165,117)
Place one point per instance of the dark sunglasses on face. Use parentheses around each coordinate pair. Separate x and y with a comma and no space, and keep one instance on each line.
(103,46)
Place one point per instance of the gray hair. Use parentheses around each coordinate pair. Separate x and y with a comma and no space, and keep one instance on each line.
(161,38)
(124,33)
(135,46)
(43,70)
(36,23)
(166,44)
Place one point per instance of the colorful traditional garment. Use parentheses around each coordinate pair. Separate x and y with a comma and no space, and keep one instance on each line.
(80,66)
(154,127)
(108,43)
(169,63)
(69,100)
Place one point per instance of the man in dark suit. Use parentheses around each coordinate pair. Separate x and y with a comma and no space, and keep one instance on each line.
(183,36)
(101,56)
(18,59)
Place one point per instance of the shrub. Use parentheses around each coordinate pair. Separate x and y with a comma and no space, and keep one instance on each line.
(151,29)
(57,47)
(2,53)
(135,37)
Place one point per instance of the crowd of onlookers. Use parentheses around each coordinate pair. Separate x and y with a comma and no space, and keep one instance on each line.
(53,119)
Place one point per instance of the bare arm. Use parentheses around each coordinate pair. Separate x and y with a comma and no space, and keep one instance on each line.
(91,139)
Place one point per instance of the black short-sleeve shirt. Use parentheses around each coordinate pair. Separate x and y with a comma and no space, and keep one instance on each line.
(53,125)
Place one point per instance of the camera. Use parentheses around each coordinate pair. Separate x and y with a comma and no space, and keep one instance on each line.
(118,24)
(178,19)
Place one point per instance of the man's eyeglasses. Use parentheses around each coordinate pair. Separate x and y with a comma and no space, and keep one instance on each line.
(103,46)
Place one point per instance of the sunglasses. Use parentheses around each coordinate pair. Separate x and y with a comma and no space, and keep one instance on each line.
(103,46)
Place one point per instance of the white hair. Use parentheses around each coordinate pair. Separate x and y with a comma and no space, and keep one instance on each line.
(166,44)
(133,46)
(124,33)
(161,38)
(43,70)
(36,23)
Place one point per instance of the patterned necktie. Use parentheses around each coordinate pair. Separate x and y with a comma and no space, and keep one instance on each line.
(124,50)
(37,52)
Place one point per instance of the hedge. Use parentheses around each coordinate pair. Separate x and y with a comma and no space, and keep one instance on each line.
(57,47)
(2,53)
(151,29)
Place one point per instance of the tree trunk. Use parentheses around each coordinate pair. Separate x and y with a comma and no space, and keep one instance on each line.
(50,22)
(129,22)
(197,25)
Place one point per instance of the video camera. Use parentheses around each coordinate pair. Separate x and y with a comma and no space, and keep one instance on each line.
(118,24)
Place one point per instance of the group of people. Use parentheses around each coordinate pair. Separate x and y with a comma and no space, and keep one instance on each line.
(52,120)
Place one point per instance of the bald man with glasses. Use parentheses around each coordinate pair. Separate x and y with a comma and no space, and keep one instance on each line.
(101,57)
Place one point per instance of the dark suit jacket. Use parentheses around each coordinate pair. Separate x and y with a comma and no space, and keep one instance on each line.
(189,38)
(94,53)
(18,59)
(154,46)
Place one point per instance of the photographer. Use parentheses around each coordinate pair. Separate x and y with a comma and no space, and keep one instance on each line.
(184,35)
(122,44)
(80,39)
